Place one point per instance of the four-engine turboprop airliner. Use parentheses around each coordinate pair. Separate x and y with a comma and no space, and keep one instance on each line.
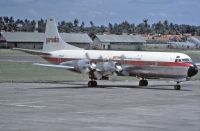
(100,64)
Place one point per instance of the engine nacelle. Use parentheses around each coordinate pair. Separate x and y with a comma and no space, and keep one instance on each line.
(96,71)
(82,66)
(109,68)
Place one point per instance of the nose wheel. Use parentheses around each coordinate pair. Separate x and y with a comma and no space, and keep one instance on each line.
(177,87)
(143,82)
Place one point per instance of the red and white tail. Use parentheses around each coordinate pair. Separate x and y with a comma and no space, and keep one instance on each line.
(53,41)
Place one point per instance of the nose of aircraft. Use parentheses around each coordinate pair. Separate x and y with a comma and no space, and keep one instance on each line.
(192,71)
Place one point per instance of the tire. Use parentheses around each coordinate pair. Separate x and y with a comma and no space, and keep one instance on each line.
(177,87)
(143,83)
(92,83)
(89,83)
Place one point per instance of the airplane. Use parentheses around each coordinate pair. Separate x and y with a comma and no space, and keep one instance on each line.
(101,64)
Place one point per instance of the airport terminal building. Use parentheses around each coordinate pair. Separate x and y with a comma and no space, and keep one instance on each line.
(34,40)
(118,42)
(30,40)
(81,40)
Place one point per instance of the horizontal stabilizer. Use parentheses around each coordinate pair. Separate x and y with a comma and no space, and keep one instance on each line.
(54,66)
(33,52)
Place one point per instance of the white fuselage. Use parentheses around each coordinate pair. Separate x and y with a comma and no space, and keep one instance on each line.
(135,63)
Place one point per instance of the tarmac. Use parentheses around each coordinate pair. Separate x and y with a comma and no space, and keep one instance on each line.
(113,106)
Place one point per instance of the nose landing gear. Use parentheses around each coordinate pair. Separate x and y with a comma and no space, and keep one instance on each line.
(177,87)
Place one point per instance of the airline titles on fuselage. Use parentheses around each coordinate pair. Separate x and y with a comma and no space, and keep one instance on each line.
(52,40)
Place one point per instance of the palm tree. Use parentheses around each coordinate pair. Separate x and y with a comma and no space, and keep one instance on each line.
(76,22)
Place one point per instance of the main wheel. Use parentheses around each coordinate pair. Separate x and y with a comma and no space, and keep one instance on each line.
(89,83)
(177,87)
(143,83)
(92,83)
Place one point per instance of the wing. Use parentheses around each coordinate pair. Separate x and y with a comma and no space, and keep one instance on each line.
(54,66)
(33,52)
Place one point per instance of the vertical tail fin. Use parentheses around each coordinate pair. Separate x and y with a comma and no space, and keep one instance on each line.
(53,41)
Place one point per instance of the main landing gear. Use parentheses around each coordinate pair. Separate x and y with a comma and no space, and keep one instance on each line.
(177,87)
(143,82)
(92,83)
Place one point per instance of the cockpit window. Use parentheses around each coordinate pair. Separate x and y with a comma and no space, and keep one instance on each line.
(177,60)
(186,60)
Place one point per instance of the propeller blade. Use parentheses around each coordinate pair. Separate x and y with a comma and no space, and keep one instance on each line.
(98,76)
(87,56)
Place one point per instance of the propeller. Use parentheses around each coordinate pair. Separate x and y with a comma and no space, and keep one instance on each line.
(103,68)
(87,56)
(91,65)
(118,67)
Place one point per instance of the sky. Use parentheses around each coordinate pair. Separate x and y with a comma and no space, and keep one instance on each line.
(101,12)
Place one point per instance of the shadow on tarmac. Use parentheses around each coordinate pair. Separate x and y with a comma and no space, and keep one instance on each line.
(82,86)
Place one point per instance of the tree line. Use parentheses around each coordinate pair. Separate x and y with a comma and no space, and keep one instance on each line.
(160,27)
